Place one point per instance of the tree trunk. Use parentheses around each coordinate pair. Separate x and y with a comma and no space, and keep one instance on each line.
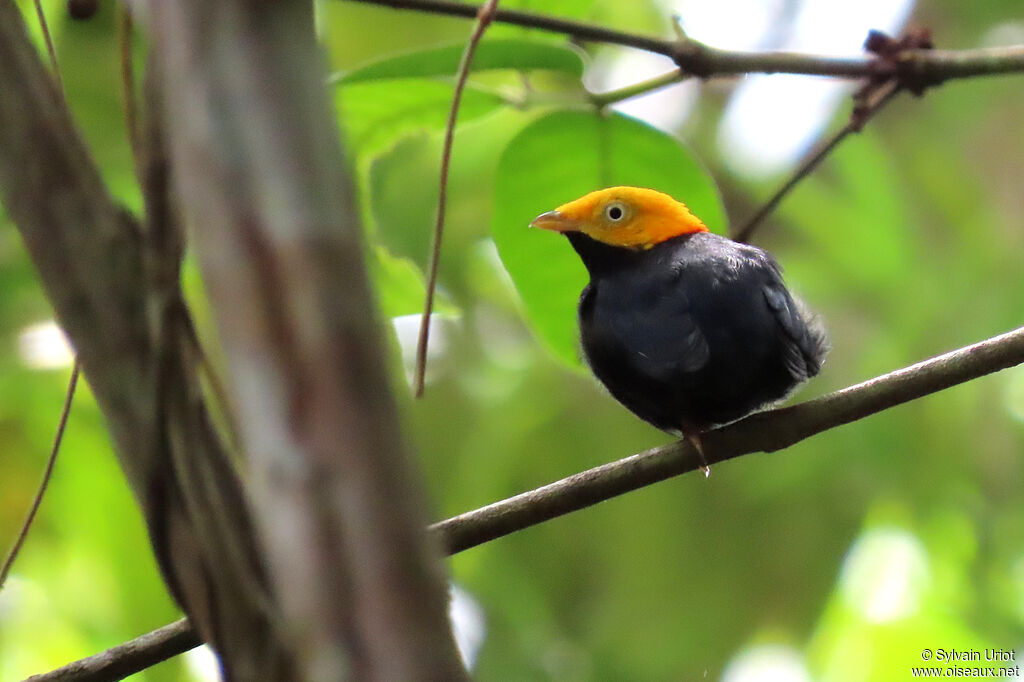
(339,580)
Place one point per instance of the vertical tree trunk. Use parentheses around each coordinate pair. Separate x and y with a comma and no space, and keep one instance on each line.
(114,288)
(266,191)
(354,588)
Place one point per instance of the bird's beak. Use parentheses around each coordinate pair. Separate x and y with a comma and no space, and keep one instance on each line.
(555,221)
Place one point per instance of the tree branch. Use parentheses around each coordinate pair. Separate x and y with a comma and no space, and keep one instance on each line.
(761,432)
(767,431)
(931,66)
(129,658)
(575,29)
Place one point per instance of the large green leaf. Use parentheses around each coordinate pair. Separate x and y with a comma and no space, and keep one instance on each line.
(558,158)
(375,114)
(516,54)
(399,286)
(403,187)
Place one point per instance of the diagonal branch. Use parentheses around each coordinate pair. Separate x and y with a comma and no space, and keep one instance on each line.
(861,114)
(761,432)
(51,461)
(929,66)
(129,658)
(62,423)
(767,431)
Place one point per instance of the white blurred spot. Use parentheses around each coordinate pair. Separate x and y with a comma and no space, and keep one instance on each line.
(16,595)
(562,659)
(202,664)
(44,346)
(407,330)
(715,23)
(665,108)
(767,663)
(772,120)
(468,624)
(832,27)
(885,575)
(1008,33)
(1015,392)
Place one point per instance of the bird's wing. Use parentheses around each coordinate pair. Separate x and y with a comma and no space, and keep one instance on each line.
(805,339)
(663,335)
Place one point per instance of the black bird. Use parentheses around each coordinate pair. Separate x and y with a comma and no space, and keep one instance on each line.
(686,328)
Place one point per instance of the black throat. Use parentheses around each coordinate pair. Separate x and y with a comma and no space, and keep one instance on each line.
(601,259)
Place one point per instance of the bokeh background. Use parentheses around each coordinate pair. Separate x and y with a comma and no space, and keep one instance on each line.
(839,559)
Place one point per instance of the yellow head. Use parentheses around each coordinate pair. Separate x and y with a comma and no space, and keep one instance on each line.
(631,217)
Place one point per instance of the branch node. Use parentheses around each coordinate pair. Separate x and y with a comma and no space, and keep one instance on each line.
(83,9)
(693,57)
(677,28)
(899,59)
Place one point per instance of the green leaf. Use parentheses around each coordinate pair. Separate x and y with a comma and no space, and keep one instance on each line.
(516,54)
(376,114)
(403,187)
(559,158)
(400,286)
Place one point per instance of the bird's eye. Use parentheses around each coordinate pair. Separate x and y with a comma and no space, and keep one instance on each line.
(615,212)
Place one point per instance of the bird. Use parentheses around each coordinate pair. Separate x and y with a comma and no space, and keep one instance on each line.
(686,328)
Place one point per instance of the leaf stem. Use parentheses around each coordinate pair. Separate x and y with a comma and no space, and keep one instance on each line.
(604,99)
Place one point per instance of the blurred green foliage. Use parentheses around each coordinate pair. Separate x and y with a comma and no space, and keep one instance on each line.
(852,551)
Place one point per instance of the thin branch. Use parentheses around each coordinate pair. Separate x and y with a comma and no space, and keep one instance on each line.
(484,17)
(604,99)
(47,475)
(930,66)
(129,658)
(860,116)
(767,431)
(761,432)
(69,395)
(52,53)
(950,64)
(125,29)
(579,30)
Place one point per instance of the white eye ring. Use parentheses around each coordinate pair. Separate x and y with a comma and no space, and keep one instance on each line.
(615,212)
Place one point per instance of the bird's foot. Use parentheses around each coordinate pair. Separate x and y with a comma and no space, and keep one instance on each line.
(699,447)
